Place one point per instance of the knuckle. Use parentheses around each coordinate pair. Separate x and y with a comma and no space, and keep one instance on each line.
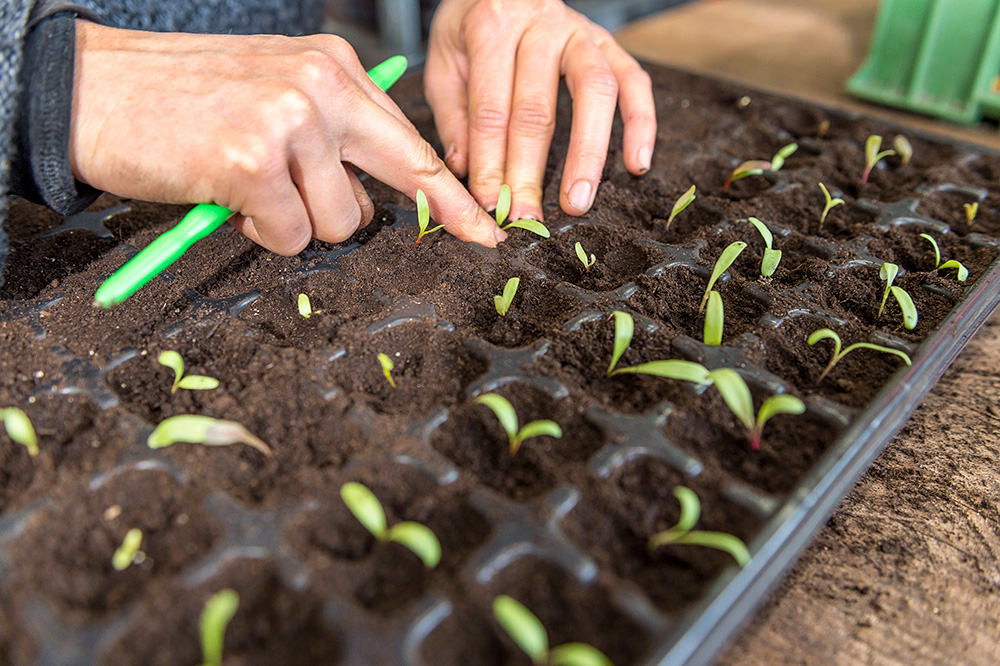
(534,117)
(488,119)
(428,167)
(600,81)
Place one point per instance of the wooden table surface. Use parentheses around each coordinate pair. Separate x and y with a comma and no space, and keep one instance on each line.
(921,584)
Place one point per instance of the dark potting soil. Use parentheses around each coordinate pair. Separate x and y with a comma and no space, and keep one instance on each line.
(563,526)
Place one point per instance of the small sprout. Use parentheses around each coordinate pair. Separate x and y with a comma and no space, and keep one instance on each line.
(757,167)
(783,153)
(713,319)
(683,533)
(736,393)
(215,616)
(125,554)
(368,510)
(387,366)
(903,148)
(503,301)
(173,360)
(963,272)
(873,156)
(687,371)
(725,260)
(204,430)
(771,256)
(505,413)
(970,211)
(424,217)
(527,631)
(582,256)
(831,203)
(888,274)
(823,128)
(19,428)
(683,202)
(503,210)
(305,306)
(827,334)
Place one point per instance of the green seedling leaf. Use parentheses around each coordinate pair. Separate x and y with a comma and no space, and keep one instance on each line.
(937,250)
(903,148)
(363,504)
(204,430)
(963,272)
(419,539)
(830,204)
(19,429)
(387,367)
(577,654)
(776,404)
(736,393)
(685,371)
(503,204)
(906,305)
(725,260)
(765,233)
(524,628)
(683,532)
(582,256)
(873,156)
(714,319)
(534,226)
(125,554)
(305,306)
(783,154)
(771,256)
(683,202)
(173,360)
(215,616)
(624,329)
(503,301)
(887,273)
(535,429)
(970,210)
(827,334)
(424,217)
(504,412)
(749,168)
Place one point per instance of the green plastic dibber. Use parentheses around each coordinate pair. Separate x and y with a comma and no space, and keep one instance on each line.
(198,223)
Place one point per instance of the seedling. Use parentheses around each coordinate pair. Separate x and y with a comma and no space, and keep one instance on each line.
(725,260)
(582,256)
(368,510)
(736,393)
(769,263)
(873,156)
(684,533)
(173,360)
(215,616)
(204,430)
(888,274)
(963,272)
(822,129)
(687,371)
(827,334)
(125,553)
(903,148)
(503,301)
(424,217)
(683,202)
(305,306)
(970,211)
(713,319)
(527,631)
(830,204)
(19,428)
(505,413)
(757,167)
(387,366)
(503,210)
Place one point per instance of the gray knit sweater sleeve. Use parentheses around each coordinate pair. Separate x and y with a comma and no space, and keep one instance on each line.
(209,16)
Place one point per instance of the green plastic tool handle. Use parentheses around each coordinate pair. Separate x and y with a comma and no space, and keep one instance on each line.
(200,221)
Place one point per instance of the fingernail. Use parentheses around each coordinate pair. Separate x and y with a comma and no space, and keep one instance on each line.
(645,157)
(451,151)
(581,195)
(499,234)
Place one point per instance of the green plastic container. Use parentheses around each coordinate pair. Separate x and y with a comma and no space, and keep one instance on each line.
(939,57)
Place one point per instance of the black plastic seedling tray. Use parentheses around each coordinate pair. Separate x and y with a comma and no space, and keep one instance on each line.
(545,527)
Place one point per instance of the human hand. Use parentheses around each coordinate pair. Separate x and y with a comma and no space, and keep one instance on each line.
(266,126)
(492,78)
